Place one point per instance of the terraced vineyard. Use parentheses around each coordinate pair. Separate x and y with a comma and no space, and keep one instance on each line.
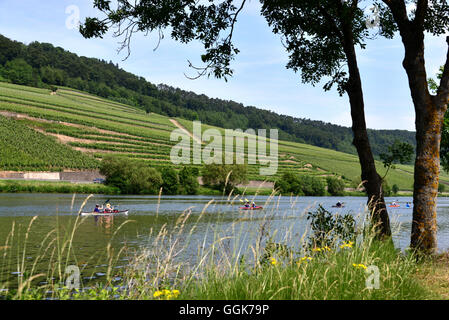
(88,128)
(25,149)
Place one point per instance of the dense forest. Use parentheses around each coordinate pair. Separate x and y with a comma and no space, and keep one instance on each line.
(43,65)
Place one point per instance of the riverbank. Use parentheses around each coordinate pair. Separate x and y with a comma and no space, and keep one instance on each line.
(38,186)
(34,186)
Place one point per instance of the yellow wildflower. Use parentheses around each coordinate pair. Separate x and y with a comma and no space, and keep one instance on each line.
(273,261)
(304,259)
(347,245)
(167,294)
(359,266)
(316,249)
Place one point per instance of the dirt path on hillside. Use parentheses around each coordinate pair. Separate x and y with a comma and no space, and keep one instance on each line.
(180,126)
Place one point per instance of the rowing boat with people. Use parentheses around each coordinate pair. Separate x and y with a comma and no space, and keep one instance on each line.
(103,213)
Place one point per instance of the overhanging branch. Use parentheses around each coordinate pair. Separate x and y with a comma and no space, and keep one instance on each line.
(443,88)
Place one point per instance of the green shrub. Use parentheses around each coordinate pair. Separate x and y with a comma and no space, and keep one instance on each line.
(386,189)
(335,186)
(188,180)
(224,177)
(328,229)
(170,179)
(290,183)
(395,189)
(131,177)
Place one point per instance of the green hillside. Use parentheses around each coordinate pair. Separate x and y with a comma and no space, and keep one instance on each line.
(42,65)
(72,129)
(23,148)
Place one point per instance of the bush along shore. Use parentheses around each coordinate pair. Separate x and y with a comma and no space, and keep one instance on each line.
(336,258)
(124,176)
(33,186)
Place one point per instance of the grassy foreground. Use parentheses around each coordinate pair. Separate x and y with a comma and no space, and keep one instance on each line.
(262,270)
(339,275)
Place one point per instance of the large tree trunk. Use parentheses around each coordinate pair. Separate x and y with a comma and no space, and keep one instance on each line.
(429,120)
(371,180)
(429,114)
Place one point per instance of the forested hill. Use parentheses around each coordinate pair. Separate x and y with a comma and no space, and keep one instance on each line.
(43,65)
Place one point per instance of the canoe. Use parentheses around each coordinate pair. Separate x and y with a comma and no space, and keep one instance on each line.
(342,206)
(251,208)
(394,206)
(99,214)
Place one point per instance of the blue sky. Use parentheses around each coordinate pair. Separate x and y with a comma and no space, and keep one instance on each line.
(260,77)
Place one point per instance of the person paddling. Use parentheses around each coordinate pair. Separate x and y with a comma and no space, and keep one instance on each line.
(108,208)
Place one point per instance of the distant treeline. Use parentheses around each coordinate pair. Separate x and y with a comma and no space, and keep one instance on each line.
(43,65)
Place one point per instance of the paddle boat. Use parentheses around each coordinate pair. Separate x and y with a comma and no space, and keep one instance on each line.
(104,213)
(339,205)
(251,208)
(394,205)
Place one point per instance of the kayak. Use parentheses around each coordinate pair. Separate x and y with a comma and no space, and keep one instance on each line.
(335,206)
(251,208)
(113,213)
(394,206)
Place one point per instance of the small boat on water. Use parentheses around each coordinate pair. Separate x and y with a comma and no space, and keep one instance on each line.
(339,205)
(102,213)
(394,206)
(251,208)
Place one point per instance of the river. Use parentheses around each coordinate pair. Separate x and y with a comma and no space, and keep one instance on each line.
(208,218)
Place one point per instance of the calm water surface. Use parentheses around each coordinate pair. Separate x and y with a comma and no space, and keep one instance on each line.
(283,218)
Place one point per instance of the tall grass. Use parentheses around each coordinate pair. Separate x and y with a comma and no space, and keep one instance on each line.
(253,255)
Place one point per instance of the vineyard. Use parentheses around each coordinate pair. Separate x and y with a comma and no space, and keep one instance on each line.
(25,149)
(74,130)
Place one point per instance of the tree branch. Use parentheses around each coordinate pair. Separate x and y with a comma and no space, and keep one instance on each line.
(420,13)
(443,88)
(399,11)
(332,22)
